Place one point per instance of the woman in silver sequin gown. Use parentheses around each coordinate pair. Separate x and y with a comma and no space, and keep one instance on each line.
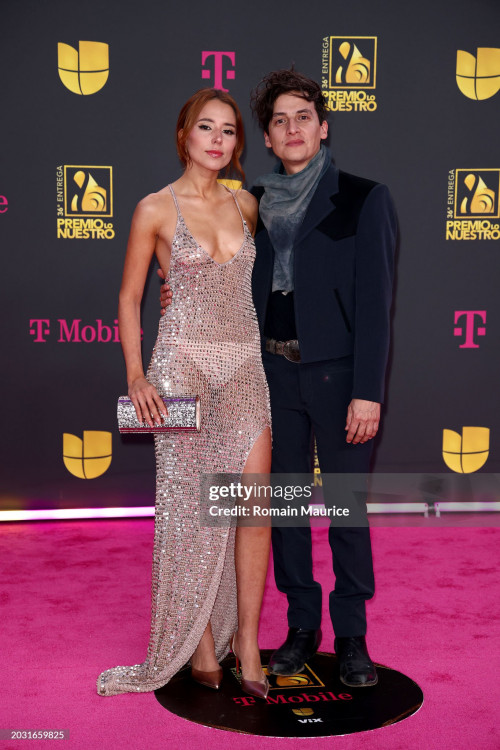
(206,584)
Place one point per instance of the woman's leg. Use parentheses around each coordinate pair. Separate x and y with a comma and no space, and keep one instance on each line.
(251,560)
(204,658)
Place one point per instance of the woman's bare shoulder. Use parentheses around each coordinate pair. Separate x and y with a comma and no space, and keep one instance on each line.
(155,202)
(247,199)
(249,206)
(155,207)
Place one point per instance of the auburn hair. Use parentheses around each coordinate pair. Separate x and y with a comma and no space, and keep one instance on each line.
(189,115)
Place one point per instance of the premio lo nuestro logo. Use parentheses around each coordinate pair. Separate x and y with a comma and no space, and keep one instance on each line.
(349,73)
(84,202)
(478,77)
(473,204)
(85,70)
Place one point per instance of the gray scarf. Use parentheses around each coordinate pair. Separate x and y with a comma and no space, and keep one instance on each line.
(282,209)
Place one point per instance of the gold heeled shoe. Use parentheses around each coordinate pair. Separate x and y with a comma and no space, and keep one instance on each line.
(209,679)
(257,688)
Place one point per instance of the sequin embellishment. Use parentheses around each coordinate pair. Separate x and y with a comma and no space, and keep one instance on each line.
(208,344)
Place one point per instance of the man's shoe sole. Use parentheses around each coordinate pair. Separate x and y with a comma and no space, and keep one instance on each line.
(370,683)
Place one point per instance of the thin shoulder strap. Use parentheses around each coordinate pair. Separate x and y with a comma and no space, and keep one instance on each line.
(233,193)
(175,200)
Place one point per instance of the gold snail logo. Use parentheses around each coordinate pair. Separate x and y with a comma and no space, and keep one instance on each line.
(92,198)
(473,204)
(87,458)
(85,70)
(467,452)
(479,77)
(296,680)
(303,711)
(88,191)
(84,202)
(355,70)
(305,679)
(473,197)
(349,73)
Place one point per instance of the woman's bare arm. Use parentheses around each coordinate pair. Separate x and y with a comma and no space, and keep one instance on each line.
(140,249)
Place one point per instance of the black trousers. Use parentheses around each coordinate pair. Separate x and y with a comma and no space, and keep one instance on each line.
(311,400)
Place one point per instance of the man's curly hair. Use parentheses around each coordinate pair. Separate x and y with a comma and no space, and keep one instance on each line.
(285,82)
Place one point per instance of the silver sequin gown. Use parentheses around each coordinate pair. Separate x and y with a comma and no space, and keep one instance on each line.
(208,344)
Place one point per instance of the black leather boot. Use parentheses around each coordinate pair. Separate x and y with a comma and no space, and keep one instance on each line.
(300,645)
(356,667)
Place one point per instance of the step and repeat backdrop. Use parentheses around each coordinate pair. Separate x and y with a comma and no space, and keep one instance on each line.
(90,93)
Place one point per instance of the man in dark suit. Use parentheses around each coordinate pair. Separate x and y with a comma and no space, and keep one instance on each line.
(322,287)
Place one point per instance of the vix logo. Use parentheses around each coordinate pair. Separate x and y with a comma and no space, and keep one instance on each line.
(479,77)
(471,327)
(467,452)
(218,70)
(87,458)
(86,70)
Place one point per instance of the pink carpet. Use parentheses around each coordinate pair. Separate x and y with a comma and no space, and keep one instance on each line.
(75,601)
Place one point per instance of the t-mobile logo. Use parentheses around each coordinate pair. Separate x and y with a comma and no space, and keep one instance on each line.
(472,327)
(218,70)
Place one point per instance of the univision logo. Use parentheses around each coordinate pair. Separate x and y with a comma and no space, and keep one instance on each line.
(87,458)
(86,70)
(479,77)
(465,453)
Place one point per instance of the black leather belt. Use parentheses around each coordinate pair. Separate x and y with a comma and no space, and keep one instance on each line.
(289,349)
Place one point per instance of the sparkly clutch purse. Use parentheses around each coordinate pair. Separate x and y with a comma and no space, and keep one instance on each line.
(183,414)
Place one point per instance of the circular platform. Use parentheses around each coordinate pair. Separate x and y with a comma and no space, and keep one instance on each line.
(313,703)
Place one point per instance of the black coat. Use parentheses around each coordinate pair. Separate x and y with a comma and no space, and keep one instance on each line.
(343,272)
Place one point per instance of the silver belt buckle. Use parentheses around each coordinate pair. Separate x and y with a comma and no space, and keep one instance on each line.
(291,350)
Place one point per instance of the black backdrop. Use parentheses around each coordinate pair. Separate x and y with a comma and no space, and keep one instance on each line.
(421,128)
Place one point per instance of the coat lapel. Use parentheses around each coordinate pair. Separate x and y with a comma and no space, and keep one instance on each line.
(321,204)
